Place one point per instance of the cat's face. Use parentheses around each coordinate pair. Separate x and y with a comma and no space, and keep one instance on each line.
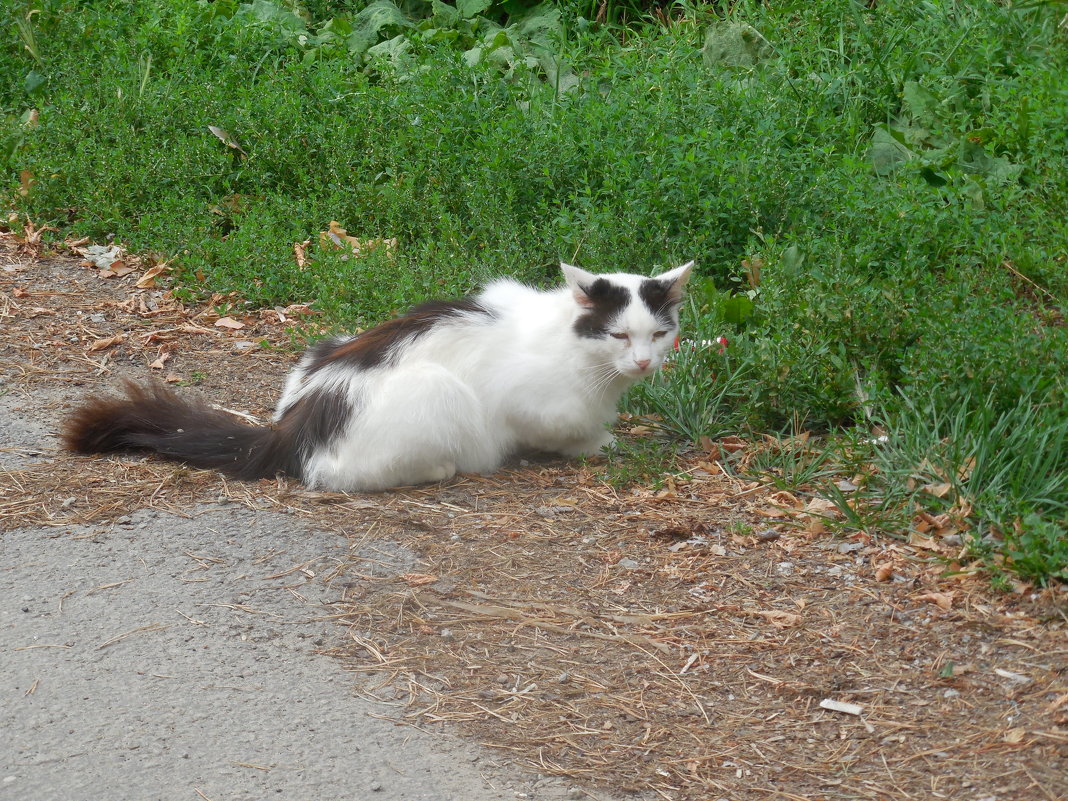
(629,320)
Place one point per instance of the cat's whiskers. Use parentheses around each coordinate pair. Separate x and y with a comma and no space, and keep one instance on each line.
(604,373)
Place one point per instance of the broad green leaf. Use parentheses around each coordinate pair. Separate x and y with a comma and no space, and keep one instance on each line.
(542,18)
(974,192)
(792,259)
(910,135)
(33,81)
(273,13)
(887,152)
(499,38)
(472,8)
(975,159)
(336,26)
(932,177)
(735,44)
(737,309)
(369,24)
(920,103)
(473,56)
(391,49)
(444,15)
(503,56)
(710,294)
(562,79)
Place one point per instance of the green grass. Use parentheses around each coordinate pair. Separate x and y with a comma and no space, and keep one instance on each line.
(875,197)
(638,460)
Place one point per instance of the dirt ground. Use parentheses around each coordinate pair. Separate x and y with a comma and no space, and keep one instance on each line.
(702,638)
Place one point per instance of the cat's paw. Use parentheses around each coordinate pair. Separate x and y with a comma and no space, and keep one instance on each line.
(440,472)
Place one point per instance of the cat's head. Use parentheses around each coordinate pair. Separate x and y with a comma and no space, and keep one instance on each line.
(629,320)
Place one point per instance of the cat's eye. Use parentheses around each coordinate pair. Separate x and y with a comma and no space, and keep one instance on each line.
(659,334)
(620,336)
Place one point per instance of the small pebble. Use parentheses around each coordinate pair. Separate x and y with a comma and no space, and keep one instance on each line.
(951,693)
(628,564)
(850,547)
(9,779)
(376,787)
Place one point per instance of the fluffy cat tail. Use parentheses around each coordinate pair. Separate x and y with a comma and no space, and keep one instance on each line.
(154,418)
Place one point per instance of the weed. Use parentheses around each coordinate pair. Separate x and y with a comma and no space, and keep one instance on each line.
(1001,466)
(639,460)
(739,528)
(794,462)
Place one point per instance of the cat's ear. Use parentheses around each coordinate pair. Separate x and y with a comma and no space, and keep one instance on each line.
(578,281)
(675,280)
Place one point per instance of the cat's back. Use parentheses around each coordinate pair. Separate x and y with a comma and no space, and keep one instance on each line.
(506,294)
(517,305)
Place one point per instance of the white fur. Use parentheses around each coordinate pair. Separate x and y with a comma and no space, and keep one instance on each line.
(472,390)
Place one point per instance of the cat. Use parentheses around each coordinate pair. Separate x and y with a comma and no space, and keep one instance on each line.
(450,386)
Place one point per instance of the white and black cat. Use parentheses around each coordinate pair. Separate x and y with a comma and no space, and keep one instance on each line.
(450,386)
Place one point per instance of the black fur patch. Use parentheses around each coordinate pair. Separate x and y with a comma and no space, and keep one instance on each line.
(380,344)
(314,421)
(608,300)
(656,295)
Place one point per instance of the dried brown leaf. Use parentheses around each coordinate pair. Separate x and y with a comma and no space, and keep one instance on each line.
(100,344)
(732,444)
(943,600)
(226,139)
(299,253)
(338,237)
(1014,736)
(26,182)
(938,490)
(148,278)
(779,619)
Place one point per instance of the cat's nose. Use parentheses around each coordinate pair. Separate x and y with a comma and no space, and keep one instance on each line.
(643,363)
